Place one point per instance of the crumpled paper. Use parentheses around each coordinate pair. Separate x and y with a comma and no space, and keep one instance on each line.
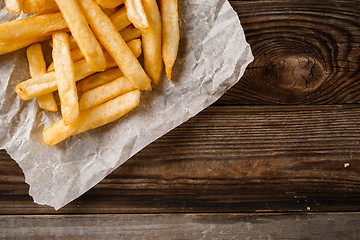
(212,57)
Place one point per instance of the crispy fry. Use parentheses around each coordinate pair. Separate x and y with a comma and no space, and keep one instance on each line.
(128,34)
(39,6)
(98,79)
(76,55)
(13,46)
(152,41)
(119,19)
(105,92)
(101,78)
(58,132)
(13,6)
(37,67)
(46,83)
(136,14)
(82,33)
(109,3)
(65,78)
(171,35)
(30,30)
(92,118)
(109,11)
(115,45)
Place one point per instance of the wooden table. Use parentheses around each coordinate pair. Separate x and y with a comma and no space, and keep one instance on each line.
(278,156)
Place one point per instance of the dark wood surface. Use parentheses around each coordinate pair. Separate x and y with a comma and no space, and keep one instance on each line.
(284,140)
(182,226)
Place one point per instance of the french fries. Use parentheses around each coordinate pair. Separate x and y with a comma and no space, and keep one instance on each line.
(120,19)
(128,34)
(65,77)
(35,87)
(82,33)
(136,14)
(152,42)
(13,6)
(171,34)
(115,45)
(39,6)
(109,3)
(23,32)
(37,67)
(101,52)
(98,79)
(92,118)
(105,92)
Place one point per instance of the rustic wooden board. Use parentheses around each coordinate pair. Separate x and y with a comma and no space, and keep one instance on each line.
(182,226)
(227,159)
(306,52)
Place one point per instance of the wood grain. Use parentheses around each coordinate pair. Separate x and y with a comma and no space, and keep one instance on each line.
(182,226)
(227,159)
(306,52)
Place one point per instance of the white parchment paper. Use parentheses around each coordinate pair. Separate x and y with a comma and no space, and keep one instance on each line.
(212,57)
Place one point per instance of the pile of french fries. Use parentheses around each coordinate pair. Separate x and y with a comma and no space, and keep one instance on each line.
(95,43)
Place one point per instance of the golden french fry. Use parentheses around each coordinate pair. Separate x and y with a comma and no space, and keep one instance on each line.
(82,33)
(13,46)
(115,45)
(39,6)
(109,3)
(128,34)
(152,41)
(13,6)
(109,11)
(35,87)
(171,35)
(93,118)
(65,77)
(105,93)
(76,55)
(23,32)
(101,78)
(136,14)
(119,19)
(58,132)
(98,79)
(37,67)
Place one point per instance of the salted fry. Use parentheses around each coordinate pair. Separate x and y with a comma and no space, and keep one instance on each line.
(171,35)
(115,45)
(119,19)
(37,67)
(76,55)
(13,46)
(13,6)
(136,14)
(105,92)
(152,42)
(92,118)
(82,33)
(58,132)
(29,30)
(98,79)
(128,35)
(46,83)
(65,77)
(109,3)
(39,6)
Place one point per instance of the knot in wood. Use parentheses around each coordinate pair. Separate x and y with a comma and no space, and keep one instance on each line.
(299,73)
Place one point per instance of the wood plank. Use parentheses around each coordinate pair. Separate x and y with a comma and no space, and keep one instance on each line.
(227,159)
(182,226)
(306,52)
